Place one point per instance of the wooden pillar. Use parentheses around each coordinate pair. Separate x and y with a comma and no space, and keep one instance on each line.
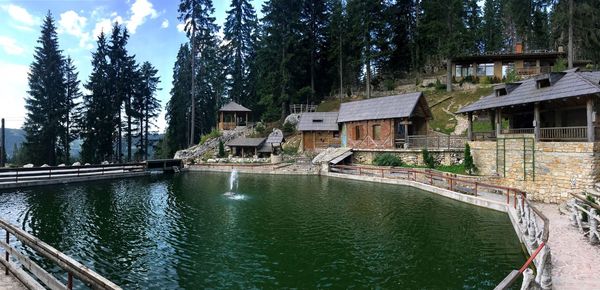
(590,119)
(493,119)
(246,118)
(449,75)
(470,127)
(536,121)
(221,120)
(242,152)
(235,123)
(498,121)
(406,133)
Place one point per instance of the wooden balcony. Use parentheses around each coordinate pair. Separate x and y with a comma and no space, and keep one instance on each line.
(534,70)
(550,134)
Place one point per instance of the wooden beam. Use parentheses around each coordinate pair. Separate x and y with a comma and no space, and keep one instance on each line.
(536,121)
(470,126)
(590,119)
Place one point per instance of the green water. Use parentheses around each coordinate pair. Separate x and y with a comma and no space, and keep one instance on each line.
(181,232)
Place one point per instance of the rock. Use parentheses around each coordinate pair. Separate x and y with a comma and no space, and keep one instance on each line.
(45,165)
(61,165)
(87,164)
(28,165)
(211,161)
(77,164)
(104,162)
(292,119)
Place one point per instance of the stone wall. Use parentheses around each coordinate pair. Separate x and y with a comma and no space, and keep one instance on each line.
(410,156)
(560,167)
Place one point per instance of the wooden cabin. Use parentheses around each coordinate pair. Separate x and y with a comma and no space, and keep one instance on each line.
(548,107)
(384,123)
(245,147)
(233,115)
(319,130)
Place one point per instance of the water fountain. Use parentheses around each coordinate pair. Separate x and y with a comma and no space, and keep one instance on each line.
(233,185)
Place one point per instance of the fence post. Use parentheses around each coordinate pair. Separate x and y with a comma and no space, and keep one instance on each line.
(430,178)
(17,176)
(70,281)
(508,196)
(381,173)
(475,188)
(451,184)
(359,171)
(6,255)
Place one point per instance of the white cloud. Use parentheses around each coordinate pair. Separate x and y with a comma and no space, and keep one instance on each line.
(140,10)
(74,24)
(14,91)
(105,25)
(19,14)
(180,27)
(10,46)
(164,24)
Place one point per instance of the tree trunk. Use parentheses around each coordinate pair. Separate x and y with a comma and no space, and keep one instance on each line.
(129,141)
(193,96)
(120,137)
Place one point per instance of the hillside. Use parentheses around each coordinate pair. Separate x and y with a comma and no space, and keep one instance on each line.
(13,137)
(442,105)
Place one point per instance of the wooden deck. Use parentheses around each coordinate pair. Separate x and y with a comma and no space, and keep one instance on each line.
(9,282)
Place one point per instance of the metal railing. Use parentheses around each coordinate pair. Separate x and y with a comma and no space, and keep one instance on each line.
(517,131)
(16,175)
(437,142)
(564,133)
(434,178)
(35,277)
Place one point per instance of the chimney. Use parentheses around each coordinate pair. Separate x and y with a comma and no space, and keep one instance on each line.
(519,47)
(561,48)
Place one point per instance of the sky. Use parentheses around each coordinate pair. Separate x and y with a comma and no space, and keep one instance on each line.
(156,35)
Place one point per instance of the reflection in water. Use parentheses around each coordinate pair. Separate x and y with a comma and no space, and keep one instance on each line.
(180,232)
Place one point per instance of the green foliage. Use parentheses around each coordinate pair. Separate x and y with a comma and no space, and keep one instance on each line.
(260,128)
(560,65)
(214,133)
(469,166)
(485,80)
(289,128)
(221,149)
(439,85)
(291,150)
(512,76)
(387,159)
(428,159)
(389,84)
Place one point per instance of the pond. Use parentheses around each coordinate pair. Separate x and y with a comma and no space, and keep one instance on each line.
(183,232)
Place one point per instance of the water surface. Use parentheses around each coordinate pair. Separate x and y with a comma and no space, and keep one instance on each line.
(182,232)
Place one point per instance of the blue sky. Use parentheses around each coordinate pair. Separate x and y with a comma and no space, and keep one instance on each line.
(155,36)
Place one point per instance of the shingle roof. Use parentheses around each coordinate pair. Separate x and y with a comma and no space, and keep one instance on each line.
(275,137)
(572,84)
(234,107)
(328,123)
(245,142)
(399,106)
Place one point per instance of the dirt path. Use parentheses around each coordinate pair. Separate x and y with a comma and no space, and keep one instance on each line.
(461,122)
(576,263)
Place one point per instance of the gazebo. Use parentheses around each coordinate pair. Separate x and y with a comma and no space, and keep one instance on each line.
(232,115)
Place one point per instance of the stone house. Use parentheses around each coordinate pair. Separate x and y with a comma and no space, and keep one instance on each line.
(543,134)
(233,115)
(383,123)
(320,130)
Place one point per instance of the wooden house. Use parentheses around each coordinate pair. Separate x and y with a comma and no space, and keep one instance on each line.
(550,107)
(244,147)
(233,115)
(383,123)
(319,130)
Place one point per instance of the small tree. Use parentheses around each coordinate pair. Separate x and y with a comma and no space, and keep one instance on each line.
(221,149)
(428,159)
(468,162)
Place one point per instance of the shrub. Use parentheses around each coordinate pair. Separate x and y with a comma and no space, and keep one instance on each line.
(389,84)
(428,159)
(485,80)
(213,134)
(289,128)
(512,76)
(439,86)
(560,65)
(387,159)
(221,149)
(290,150)
(468,162)
(260,128)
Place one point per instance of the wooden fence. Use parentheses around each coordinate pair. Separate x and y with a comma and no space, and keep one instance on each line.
(16,175)
(35,277)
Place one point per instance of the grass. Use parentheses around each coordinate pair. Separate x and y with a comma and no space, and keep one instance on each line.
(456,169)
(444,122)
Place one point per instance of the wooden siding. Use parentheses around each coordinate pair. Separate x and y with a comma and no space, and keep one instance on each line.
(312,140)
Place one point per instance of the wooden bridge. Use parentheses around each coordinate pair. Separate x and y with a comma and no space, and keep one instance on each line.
(166,165)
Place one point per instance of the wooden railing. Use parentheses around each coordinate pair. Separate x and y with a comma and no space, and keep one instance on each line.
(517,131)
(16,175)
(437,141)
(301,108)
(430,177)
(535,240)
(534,70)
(484,136)
(564,133)
(35,277)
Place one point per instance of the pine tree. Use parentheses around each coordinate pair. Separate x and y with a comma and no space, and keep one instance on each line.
(46,102)
(178,108)
(147,105)
(240,37)
(492,25)
(98,122)
(72,117)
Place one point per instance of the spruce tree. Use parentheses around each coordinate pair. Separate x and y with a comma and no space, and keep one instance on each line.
(492,25)
(46,103)
(147,105)
(239,35)
(72,117)
(178,110)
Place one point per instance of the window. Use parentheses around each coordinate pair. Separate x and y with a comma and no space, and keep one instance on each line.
(463,70)
(336,134)
(317,120)
(501,92)
(485,69)
(376,132)
(357,132)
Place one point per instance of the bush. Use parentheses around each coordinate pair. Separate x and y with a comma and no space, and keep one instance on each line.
(260,128)
(290,150)
(389,84)
(468,162)
(560,65)
(221,149)
(439,86)
(512,76)
(485,80)
(289,128)
(428,159)
(213,134)
(387,159)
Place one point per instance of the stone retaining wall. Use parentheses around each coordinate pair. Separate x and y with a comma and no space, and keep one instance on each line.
(410,156)
(560,167)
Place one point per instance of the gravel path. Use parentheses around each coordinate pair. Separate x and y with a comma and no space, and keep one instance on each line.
(576,263)
(462,123)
